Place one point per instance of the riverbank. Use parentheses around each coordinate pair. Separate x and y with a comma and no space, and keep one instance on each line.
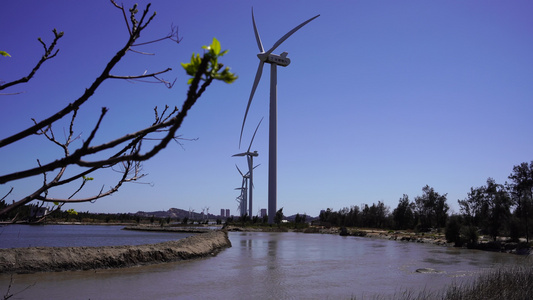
(434,238)
(48,259)
(437,238)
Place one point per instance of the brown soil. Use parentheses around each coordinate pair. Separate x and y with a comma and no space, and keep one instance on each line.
(46,259)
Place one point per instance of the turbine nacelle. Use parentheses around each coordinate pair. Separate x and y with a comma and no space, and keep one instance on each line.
(247,153)
(280,60)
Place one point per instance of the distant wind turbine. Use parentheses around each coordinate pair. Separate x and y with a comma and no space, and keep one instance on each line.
(274,60)
(243,189)
(250,158)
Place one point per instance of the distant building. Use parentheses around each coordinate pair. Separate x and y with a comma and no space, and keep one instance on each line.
(222,212)
(263,212)
(227,213)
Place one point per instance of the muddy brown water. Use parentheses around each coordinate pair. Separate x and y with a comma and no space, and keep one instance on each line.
(275,266)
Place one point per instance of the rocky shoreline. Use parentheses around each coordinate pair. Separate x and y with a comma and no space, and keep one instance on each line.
(501,245)
(49,259)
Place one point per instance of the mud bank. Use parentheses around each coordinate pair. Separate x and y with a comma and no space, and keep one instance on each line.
(167,229)
(47,259)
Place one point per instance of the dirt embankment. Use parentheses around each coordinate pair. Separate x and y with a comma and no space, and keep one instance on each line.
(46,259)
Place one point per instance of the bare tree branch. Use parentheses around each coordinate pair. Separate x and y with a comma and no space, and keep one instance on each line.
(88,92)
(47,55)
(124,14)
(7,194)
(140,76)
(126,151)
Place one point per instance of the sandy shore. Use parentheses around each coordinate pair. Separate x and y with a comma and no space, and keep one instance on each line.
(46,259)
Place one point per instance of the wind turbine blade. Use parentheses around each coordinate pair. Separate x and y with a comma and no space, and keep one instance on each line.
(257,38)
(257,166)
(239,154)
(249,147)
(286,36)
(239,170)
(256,82)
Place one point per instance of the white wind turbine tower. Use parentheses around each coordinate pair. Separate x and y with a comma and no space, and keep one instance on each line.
(250,158)
(274,60)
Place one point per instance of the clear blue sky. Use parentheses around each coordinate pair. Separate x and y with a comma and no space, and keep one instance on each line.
(381,98)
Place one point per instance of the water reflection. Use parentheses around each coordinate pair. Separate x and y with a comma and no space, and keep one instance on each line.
(278,266)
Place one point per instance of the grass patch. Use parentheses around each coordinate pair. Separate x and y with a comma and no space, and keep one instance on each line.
(504,283)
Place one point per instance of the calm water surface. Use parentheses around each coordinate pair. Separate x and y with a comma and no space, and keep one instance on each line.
(276,266)
(18,236)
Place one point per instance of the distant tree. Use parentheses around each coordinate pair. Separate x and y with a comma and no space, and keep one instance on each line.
(382,213)
(375,216)
(472,208)
(431,208)
(325,215)
(352,216)
(499,206)
(471,236)
(123,154)
(453,230)
(304,218)
(297,219)
(487,207)
(366,217)
(403,215)
(279,216)
(521,191)
(244,218)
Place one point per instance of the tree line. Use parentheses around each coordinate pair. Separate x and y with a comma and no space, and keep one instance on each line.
(494,209)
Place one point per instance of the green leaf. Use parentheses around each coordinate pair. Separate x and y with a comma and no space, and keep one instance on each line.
(56,203)
(5,54)
(72,212)
(214,51)
(215,47)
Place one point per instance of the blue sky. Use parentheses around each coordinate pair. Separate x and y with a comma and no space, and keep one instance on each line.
(380,99)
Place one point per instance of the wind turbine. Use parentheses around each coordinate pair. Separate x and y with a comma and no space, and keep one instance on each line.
(274,60)
(243,189)
(250,158)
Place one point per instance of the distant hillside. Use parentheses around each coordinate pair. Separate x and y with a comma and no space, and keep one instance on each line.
(174,213)
(307,218)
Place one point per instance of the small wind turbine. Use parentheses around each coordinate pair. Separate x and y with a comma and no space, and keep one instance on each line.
(250,158)
(274,60)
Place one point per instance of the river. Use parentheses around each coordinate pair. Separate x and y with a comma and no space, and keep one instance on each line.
(18,236)
(275,266)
